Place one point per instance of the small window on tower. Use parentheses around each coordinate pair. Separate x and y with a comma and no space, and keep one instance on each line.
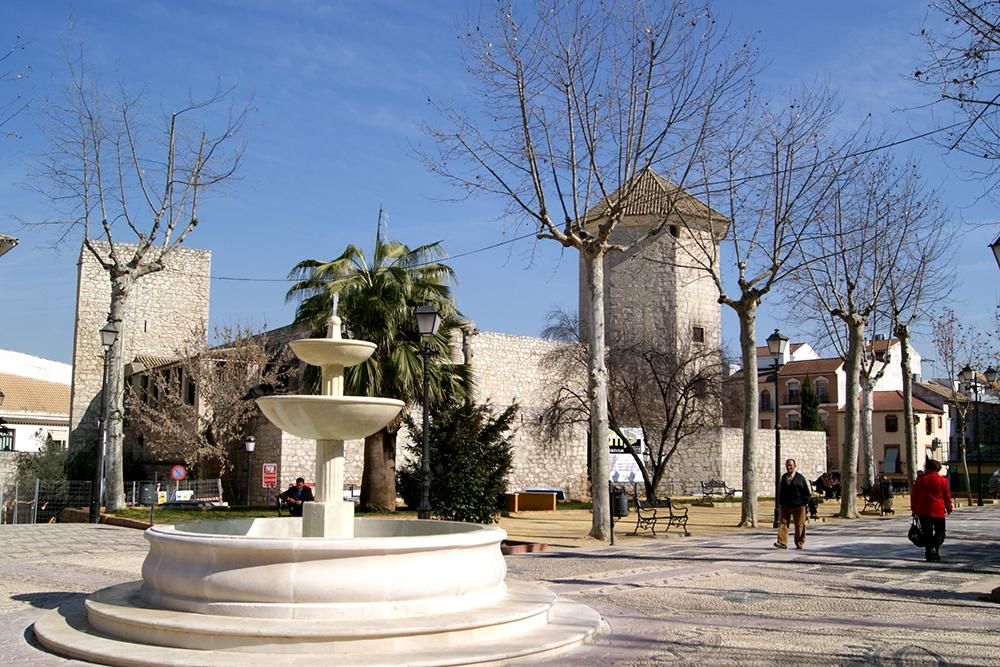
(698,334)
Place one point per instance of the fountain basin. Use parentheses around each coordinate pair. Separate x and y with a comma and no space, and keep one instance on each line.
(332,351)
(329,417)
(263,568)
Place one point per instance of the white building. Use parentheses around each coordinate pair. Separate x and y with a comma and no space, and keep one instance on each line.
(35,401)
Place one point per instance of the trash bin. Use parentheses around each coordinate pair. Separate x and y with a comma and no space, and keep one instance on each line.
(147,493)
(619,502)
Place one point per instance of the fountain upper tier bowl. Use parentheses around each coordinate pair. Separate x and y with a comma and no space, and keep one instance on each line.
(329,417)
(332,351)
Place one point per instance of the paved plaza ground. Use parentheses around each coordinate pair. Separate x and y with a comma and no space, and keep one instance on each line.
(859,594)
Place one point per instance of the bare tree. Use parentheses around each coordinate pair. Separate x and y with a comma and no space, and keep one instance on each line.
(193,410)
(580,102)
(776,174)
(955,344)
(961,67)
(672,395)
(13,106)
(923,277)
(851,262)
(133,198)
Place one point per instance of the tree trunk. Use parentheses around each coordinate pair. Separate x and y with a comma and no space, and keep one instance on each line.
(867,442)
(748,351)
(114,482)
(597,385)
(910,440)
(849,464)
(378,478)
(964,447)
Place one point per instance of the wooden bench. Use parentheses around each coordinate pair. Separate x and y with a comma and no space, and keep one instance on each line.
(649,513)
(716,488)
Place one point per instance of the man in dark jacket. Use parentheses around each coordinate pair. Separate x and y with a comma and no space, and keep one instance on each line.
(793,499)
(296,495)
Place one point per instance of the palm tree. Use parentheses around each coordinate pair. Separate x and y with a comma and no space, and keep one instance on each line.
(377,296)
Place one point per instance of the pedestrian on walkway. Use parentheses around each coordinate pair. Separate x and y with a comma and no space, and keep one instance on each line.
(793,498)
(930,502)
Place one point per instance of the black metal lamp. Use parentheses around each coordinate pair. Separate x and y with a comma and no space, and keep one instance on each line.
(970,378)
(995,247)
(249,444)
(109,334)
(777,345)
(428,321)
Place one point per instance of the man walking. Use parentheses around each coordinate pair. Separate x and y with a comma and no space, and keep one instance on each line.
(793,499)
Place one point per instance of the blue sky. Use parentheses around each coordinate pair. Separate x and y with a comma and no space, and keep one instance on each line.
(340,93)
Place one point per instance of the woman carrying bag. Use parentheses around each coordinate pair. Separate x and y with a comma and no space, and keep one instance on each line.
(930,502)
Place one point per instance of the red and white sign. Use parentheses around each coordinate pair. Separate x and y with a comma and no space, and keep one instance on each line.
(269,475)
(178,473)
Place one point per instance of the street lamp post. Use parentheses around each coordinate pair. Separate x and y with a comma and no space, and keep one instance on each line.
(428,321)
(995,247)
(109,333)
(249,444)
(776,345)
(970,378)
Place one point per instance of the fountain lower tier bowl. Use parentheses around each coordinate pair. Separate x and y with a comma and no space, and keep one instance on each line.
(263,568)
(329,417)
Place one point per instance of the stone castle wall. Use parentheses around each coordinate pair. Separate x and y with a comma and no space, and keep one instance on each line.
(718,454)
(164,308)
(510,369)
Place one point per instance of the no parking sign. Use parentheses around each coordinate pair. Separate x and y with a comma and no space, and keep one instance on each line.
(177,473)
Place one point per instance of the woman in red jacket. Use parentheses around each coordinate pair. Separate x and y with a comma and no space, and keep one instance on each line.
(930,502)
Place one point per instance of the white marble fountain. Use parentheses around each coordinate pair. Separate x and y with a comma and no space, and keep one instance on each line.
(326,588)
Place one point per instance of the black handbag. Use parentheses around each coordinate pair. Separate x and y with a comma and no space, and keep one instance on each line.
(916,535)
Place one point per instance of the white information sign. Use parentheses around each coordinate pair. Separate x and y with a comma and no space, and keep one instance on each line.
(623,465)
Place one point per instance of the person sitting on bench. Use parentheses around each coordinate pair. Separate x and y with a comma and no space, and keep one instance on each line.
(296,495)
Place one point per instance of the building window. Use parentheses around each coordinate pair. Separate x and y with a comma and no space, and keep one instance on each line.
(189,393)
(891,464)
(940,422)
(698,334)
(929,425)
(765,400)
(825,418)
(823,390)
(794,397)
(6,440)
(793,420)
(891,423)
(765,423)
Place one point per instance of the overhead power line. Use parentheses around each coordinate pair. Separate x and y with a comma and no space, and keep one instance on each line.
(866,151)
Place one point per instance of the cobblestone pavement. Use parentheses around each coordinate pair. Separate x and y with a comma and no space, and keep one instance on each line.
(859,594)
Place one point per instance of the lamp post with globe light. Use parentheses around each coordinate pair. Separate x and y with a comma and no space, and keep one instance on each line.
(428,321)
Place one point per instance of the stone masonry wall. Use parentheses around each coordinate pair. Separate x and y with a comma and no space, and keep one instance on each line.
(512,368)
(719,455)
(164,308)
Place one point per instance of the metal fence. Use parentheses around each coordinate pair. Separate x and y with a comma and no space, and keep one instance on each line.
(40,501)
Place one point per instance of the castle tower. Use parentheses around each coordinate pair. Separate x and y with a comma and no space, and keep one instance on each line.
(653,293)
(164,309)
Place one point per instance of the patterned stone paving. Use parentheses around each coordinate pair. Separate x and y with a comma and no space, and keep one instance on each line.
(858,595)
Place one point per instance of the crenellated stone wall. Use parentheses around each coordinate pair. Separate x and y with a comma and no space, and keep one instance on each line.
(164,308)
